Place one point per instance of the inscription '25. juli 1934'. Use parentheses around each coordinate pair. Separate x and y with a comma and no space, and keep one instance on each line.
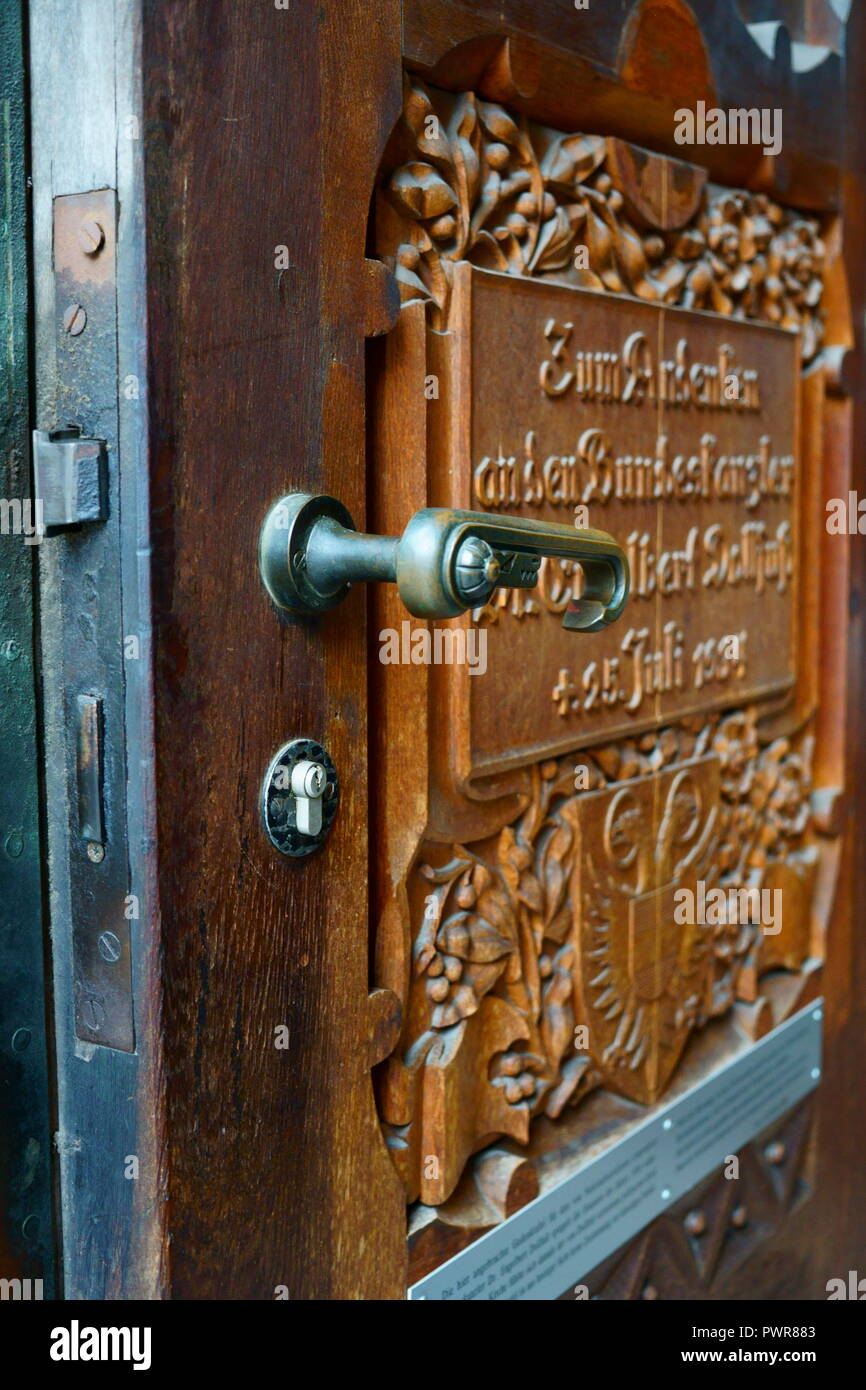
(674,430)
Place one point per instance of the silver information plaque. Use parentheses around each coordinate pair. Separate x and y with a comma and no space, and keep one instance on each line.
(560,1237)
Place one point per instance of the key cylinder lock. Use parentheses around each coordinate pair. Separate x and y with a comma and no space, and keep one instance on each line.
(299,798)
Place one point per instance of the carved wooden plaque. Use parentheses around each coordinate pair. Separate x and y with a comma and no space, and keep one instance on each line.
(673,430)
(591,334)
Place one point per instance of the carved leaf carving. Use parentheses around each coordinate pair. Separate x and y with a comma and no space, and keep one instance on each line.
(421,191)
(565,918)
(563,921)
(479,184)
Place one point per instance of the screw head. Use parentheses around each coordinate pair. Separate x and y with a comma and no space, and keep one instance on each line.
(91,237)
(95,852)
(11,649)
(775,1152)
(109,946)
(739,1217)
(74,319)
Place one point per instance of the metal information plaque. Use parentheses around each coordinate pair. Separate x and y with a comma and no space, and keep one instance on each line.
(561,1236)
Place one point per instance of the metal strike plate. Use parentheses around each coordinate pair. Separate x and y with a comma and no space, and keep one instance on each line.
(78,472)
(300,795)
(70,478)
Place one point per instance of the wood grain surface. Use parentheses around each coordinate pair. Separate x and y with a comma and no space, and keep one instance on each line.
(265,129)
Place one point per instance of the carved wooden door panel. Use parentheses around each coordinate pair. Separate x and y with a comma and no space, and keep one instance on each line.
(587,911)
(607,864)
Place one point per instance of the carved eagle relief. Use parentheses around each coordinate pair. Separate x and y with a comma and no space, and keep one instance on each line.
(549,959)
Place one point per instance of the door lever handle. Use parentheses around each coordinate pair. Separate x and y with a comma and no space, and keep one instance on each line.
(444,563)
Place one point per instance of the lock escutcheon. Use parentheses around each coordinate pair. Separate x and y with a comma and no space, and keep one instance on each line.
(300,795)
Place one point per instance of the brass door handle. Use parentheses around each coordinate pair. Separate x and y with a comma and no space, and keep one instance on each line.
(444,563)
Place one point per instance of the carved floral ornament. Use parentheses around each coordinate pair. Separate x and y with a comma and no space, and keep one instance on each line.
(565,918)
(546,960)
(503,193)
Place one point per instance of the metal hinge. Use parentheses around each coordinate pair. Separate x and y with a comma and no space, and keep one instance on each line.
(70,478)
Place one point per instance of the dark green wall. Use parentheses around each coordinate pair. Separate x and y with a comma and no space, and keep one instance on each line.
(26,1239)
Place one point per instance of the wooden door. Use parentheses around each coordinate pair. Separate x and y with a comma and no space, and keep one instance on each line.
(573,303)
(473,256)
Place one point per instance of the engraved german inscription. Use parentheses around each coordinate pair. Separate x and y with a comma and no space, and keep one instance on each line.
(676,431)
